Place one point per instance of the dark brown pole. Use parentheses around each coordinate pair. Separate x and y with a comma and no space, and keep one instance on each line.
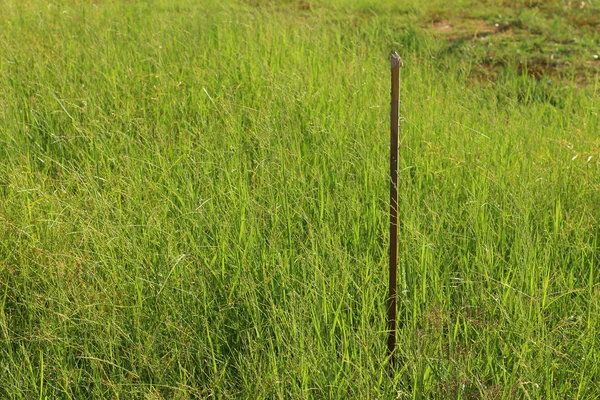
(394,117)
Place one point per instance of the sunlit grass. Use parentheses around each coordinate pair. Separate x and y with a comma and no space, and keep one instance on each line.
(193,204)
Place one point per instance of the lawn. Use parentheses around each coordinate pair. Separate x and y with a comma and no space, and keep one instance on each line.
(193,199)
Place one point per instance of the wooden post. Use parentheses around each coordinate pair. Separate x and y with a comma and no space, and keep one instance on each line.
(396,63)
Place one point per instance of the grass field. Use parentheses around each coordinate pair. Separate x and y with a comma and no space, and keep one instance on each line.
(193,199)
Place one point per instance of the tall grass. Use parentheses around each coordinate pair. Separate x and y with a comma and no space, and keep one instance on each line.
(193,205)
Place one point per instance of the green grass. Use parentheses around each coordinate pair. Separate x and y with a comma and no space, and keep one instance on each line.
(193,200)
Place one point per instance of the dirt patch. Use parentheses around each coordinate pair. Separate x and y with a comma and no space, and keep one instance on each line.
(466,28)
(483,27)
(494,46)
(442,26)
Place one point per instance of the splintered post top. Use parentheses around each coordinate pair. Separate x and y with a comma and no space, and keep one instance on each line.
(395,59)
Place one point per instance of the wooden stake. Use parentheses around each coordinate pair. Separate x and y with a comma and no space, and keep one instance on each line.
(396,63)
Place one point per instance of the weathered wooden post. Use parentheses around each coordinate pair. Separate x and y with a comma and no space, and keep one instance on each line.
(396,63)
